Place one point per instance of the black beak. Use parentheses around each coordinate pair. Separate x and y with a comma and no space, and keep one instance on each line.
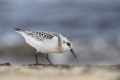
(71,50)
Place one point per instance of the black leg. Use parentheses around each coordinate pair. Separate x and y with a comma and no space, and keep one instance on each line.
(36,58)
(48,58)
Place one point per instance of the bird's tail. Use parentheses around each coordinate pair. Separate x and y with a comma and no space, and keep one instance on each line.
(18,30)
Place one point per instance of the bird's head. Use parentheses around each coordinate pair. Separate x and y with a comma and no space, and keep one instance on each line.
(67,44)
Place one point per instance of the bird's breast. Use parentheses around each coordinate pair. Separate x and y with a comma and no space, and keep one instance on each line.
(49,46)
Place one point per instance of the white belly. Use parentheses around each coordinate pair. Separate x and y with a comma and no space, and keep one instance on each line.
(46,46)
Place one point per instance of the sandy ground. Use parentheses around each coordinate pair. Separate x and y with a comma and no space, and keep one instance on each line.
(59,73)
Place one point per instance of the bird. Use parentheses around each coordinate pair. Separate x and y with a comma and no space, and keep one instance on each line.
(46,42)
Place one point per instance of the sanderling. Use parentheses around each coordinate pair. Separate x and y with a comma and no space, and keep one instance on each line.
(46,42)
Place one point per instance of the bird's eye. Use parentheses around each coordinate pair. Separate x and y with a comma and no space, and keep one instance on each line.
(68,44)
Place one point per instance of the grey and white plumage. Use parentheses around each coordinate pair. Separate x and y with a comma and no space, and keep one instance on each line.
(46,42)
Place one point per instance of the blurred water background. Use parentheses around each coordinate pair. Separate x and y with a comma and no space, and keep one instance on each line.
(92,25)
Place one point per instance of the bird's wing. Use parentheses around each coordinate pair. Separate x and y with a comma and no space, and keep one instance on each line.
(39,35)
(42,35)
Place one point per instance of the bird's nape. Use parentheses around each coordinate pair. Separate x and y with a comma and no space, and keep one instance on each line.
(71,50)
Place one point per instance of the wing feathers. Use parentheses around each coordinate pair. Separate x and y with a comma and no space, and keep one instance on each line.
(39,35)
